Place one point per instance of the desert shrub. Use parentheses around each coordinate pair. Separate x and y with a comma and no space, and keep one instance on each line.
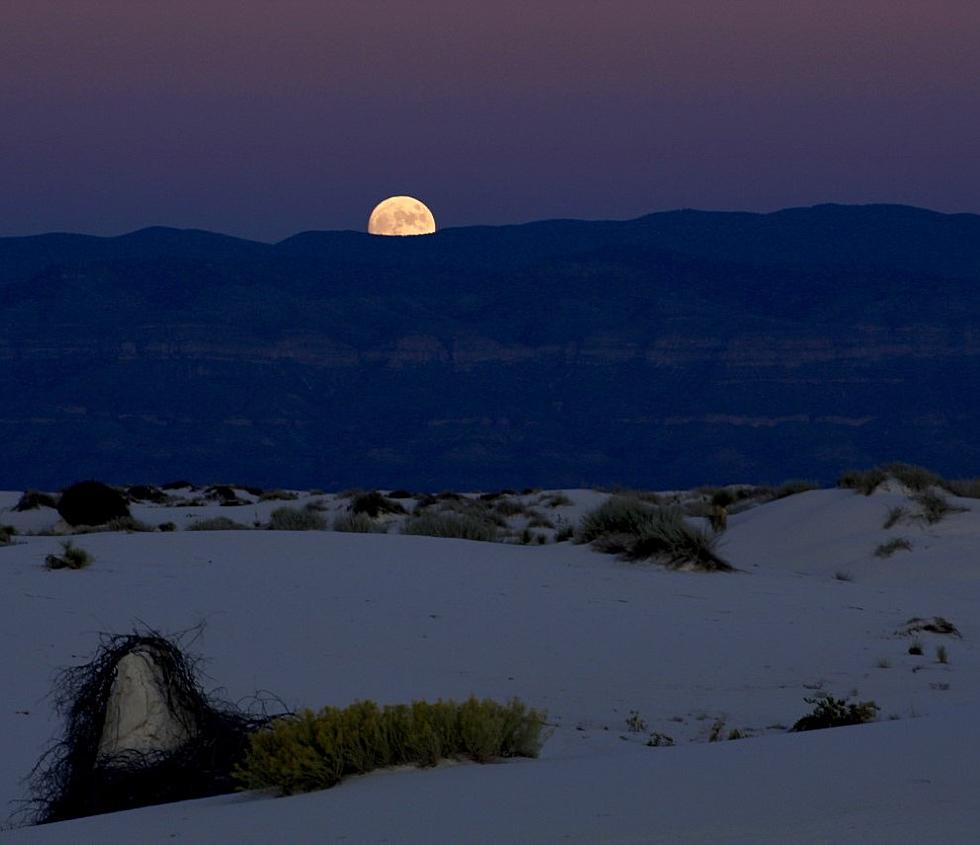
(509,507)
(863,481)
(400,494)
(934,625)
(934,507)
(311,751)
(671,540)
(71,557)
(217,523)
(639,531)
(830,712)
(618,515)
(91,503)
(917,479)
(450,524)
(793,488)
(317,505)
(277,496)
(33,499)
(76,777)
(7,533)
(566,532)
(374,504)
(296,519)
(892,546)
(916,648)
(146,493)
(659,740)
(167,526)
(178,485)
(357,523)
(223,493)
(723,498)
(967,488)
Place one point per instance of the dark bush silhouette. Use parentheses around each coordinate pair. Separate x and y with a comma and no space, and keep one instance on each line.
(145,493)
(374,504)
(91,503)
(830,712)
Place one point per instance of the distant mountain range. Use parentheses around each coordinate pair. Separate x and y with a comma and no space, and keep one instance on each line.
(675,349)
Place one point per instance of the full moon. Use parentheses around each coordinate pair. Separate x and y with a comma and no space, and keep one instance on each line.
(401,216)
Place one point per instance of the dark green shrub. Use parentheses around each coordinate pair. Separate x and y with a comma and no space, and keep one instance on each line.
(91,503)
(34,499)
(917,479)
(373,504)
(617,515)
(7,533)
(217,523)
(296,519)
(450,524)
(311,751)
(71,557)
(167,526)
(723,498)
(223,493)
(509,507)
(830,712)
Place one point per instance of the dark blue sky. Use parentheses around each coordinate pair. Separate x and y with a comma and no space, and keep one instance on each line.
(266,118)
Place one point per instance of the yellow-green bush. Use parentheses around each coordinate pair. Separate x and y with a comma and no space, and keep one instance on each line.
(310,750)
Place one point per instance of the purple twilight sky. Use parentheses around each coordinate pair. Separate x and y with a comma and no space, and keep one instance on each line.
(266,118)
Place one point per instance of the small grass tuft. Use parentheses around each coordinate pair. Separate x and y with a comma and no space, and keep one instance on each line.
(451,524)
(357,523)
(934,507)
(71,557)
(894,516)
(892,546)
(830,712)
(217,523)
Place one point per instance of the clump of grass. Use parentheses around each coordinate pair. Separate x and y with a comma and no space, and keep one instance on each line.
(794,487)
(916,649)
(638,531)
(509,507)
(33,499)
(357,523)
(934,507)
(374,504)
(167,526)
(296,519)
(895,544)
(71,557)
(278,496)
(830,712)
(217,523)
(966,488)
(863,481)
(942,654)
(312,751)
(452,524)
(565,532)
(894,516)
(935,625)
(635,723)
(659,740)
(917,479)
(7,533)
(538,520)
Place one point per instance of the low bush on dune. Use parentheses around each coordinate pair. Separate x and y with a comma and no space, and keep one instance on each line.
(934,507)
(146,493)
(277,496)
(7,533)
(311,751)
(638,531)
(915,478)
(967,488)
(296,519)
(218,523)
(357,523)
(33,499)
(830,712)
(794,488)
(374,504)
(451,524)
(91,503)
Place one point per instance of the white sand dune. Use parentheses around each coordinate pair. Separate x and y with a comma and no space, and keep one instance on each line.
(324,618)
